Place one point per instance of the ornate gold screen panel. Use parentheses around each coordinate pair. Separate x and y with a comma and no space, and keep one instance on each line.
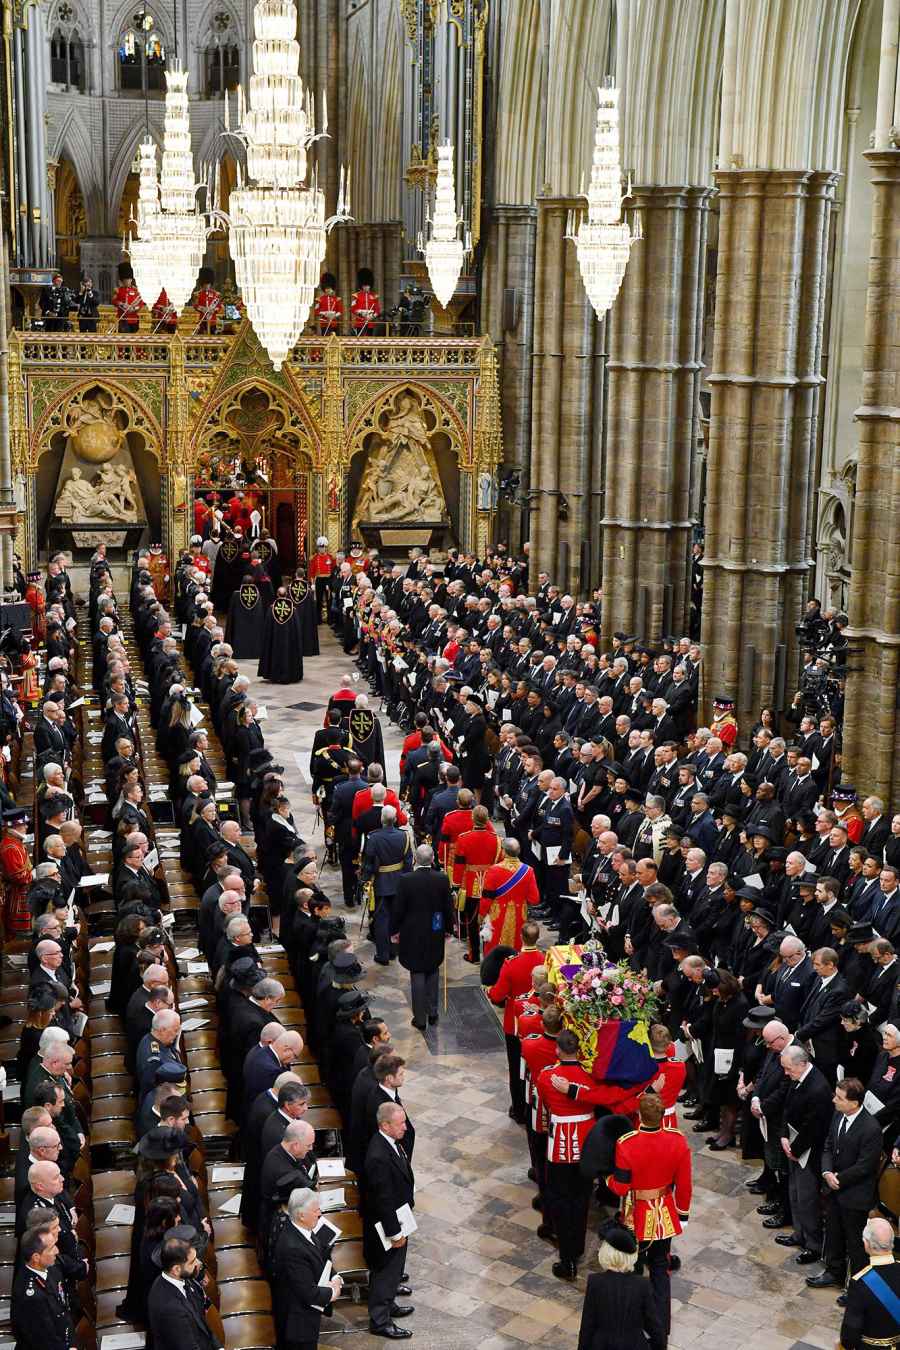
(428,409)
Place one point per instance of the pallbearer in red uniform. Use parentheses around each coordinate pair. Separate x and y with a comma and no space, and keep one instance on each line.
(539,1049)
(653,1172)
(165,320)
(509,888)
(567,1094)
(15,872)
(476,851)
(207,302)
(329,306)
(127,300)
(158,567)
(515,978)
(198,557)
(365,306)
(321,567)
(453,825)
(670,1075)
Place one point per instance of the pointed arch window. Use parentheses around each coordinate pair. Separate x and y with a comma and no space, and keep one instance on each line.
(67,50)
(222,55)
(142,56)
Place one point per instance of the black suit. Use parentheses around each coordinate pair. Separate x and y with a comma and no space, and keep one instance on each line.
(176,1319)
(853,1152)
(873,838)
(298,1296)
(276,1165)
(820,1024)
(389,1184)
(807,1113)
(790,988)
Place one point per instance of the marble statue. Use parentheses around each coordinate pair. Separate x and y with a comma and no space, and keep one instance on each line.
(401,482)
(113,496)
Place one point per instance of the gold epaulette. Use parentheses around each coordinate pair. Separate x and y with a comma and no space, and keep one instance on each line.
(629,1134)
(865,1270)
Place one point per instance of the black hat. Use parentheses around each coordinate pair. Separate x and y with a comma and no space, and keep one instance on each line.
(617,1236)
(245,973)
(160,1142)
(351,1002)
(765,914)
(758,1017)
(328,281)
(844,792)
(777,854)
(733,813)
(634,795)
(215,851)
(747,893)
(763,830)
(56,802)
(479,701)
(862,932)
(347,967)
(365,277)
(673,831)
(170,1071)
(676,943)
(206,276)
(15,815)
(125,271)
(723,701)
(807,879)
(839,918)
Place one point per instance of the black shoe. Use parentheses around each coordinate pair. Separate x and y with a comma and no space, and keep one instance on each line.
(806,1258)
(757,1187)
(546,1232)
(770,1207)
(824,1281)
(433,1019)
(674,1263)
(419,1026)
(532,1175)
(841,1300)
(538,1204)
(704,1124)
(390,1332)
(402,1310)
(789,1240)
(717,1145)
(380,961)
(778,1220)
(404,1290)
(565,1270)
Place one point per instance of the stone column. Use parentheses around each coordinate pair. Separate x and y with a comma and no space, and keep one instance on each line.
(566,417)
(766,389)
(872,722)
(508,317)
(655,348)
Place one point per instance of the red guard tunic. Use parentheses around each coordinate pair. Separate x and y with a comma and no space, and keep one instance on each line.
(570,1120)
(505,906)
(412,742)
(538,1051)
(515,978)
(34,599)
(674,1073)
(208,304)
(526,1010)
(455,823)
(329,312)
(653,1173)
(725,727)
(165,320)
(321,565)
(476,852)
(365,311)
(128,303)
(15,869)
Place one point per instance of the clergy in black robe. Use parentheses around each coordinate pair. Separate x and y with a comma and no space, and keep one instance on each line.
(366,740)
(303,597)
(228,570)
(281,659)
(246,617)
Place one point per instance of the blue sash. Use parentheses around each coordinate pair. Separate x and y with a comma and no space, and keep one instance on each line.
(877,1285)
(508,885)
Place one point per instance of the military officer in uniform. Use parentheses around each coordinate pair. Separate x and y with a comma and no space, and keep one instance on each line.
(55,303)
(554,824)
(386,856)
(873,1298)
(515,978)
(329,307)
(40,1310)
(157,1047)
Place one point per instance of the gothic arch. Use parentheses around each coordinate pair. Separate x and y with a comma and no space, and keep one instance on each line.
(582,30)
(123,397)
(358,133)
(162,15)
(72,142)
(123,158)
(292,423)
(521,79)
(448,420)
(386,182)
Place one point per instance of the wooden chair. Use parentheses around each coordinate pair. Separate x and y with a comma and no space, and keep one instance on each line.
(348,1260)
(206,1103)
(113,1108)
(238,1298)
(207,1080)
(237,1263)
(114,1240)
(229,1232)
(112,1133)
(104,1065)
(113,1085)
(248,1332)
(112,1273)
(112,1186)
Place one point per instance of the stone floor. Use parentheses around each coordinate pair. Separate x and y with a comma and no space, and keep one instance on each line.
(481,1276)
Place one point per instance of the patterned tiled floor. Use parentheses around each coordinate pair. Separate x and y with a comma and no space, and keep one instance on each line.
(480,1274)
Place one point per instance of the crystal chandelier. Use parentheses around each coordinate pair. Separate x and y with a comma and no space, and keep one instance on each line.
(444,251)
(277,225)
(179,229)
(603,241)
(142,248)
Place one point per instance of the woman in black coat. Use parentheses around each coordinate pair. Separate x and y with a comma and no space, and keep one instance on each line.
(620,1310)
(124,977)
(863,1044)
(728,1037)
